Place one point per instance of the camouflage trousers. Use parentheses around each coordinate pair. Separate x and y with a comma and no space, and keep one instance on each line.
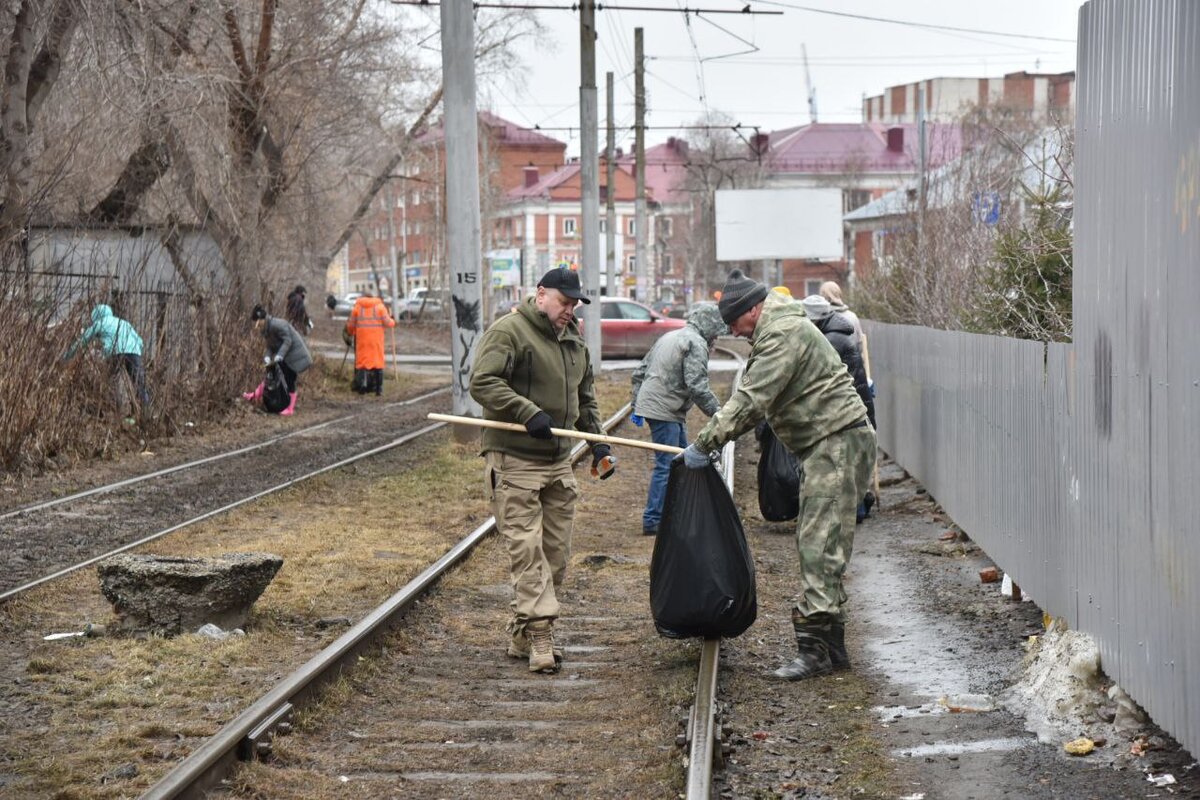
(534,504)
(837,473)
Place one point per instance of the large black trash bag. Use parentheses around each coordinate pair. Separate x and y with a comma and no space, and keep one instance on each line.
(778,479)
(701,575)
(275,394)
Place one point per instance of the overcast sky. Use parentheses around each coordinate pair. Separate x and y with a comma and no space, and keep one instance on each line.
(750,67)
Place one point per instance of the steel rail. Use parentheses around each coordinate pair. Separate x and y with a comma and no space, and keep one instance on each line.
(229,507)
(250,732)
(703,733)
(110,487)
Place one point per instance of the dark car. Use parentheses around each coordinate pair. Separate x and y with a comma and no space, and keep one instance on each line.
(629,329)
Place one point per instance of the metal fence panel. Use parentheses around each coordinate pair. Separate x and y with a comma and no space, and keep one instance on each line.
(1076,466)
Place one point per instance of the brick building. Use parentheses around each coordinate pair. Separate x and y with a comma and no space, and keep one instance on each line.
(1037,96)
(409,212)
(864,160)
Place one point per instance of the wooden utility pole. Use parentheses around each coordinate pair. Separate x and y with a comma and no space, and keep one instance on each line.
(463,249)
(589,175)
(610,203)
(639,209)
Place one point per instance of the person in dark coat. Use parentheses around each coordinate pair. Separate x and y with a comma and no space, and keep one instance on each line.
(296,313)
(839,330)
(286,348)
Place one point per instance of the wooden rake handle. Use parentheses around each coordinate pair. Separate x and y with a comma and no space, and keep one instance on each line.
(591,437)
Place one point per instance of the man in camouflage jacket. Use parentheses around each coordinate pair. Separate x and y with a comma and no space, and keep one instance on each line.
(796,381)
(670,380)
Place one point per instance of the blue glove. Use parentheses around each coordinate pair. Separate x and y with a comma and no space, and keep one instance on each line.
(692,458)
(636,420)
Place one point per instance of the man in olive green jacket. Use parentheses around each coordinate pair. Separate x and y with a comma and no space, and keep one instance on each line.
(796,380)
(532,367)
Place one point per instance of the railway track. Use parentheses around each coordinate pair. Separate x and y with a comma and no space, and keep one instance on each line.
(54,538)
(251,733)
(469,710)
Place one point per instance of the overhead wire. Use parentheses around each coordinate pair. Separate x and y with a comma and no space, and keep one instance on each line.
(911,23)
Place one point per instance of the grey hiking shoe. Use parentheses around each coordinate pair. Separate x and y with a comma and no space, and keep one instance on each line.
(541,646)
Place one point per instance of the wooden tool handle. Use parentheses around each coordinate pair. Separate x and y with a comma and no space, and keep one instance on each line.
(599,438)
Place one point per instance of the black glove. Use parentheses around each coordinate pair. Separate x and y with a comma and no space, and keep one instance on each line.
(604,463)
(539,426)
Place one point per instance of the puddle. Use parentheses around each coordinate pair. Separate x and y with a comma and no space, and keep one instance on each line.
(959,748)
(919,652)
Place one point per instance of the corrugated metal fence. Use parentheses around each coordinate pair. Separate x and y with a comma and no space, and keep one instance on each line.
(1077,467)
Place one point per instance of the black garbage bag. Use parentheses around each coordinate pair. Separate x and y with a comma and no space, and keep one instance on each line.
(701,574)
(275,394)
(779,474)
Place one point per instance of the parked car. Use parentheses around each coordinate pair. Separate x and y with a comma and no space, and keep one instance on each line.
(433,300)
(343,307)
(629,329)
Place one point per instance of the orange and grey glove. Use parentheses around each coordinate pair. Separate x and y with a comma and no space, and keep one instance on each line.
(604,463)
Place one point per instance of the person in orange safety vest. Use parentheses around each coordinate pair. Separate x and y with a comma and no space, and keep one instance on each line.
(367,321)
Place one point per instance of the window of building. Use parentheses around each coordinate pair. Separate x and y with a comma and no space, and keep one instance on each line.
(568,226)
(631,263)
(631,226)
(812,286)
(854,198)
(604,224)
(667,262)
(400,200)
(664,225)
(416,197)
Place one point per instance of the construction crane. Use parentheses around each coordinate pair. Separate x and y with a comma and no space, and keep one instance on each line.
(812,92)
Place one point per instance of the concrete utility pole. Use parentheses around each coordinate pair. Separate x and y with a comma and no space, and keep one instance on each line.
(610,204)
(464,254)
(639,209)
(589,148)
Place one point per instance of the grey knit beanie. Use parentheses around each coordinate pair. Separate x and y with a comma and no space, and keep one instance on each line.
(739,295)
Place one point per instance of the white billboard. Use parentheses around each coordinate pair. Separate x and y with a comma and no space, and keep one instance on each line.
(779,223)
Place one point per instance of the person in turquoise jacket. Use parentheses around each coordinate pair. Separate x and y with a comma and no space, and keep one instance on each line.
(120,342)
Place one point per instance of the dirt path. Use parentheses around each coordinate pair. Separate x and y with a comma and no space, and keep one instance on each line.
(922,628)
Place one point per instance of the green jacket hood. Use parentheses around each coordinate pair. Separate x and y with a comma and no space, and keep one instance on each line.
(101,311)
(706,319)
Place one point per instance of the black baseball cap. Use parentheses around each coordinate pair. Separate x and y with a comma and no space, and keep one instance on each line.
(566,281)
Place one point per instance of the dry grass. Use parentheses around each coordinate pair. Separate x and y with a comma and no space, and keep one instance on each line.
(348,539)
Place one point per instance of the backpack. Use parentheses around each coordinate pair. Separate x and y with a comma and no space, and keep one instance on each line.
(275,394)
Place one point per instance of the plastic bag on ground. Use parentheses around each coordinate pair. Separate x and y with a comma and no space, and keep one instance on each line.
(779,475)
(275,394)
(701,574)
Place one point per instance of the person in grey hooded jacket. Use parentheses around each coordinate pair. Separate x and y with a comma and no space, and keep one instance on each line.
(670,380)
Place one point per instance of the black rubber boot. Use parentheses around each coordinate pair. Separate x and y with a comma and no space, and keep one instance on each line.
(837,646)
(812,642)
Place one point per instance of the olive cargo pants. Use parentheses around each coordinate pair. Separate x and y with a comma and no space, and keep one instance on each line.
(534,504)
(837,473)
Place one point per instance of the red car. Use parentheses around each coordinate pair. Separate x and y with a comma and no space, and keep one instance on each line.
(629,329)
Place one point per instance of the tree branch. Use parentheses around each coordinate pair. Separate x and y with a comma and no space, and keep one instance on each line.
(381,177)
